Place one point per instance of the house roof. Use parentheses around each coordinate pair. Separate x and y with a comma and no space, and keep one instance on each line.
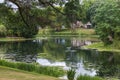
(88,23)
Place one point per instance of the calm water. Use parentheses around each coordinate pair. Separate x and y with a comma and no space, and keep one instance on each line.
(64,52)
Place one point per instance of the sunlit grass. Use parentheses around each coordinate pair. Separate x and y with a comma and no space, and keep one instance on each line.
(82,31)
(101,47)
(6,39)
(66,32)
(7,73)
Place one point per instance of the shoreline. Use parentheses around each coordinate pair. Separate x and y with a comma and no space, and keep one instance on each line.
(99,46)
(8,39)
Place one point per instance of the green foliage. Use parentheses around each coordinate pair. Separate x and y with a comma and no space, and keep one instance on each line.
(105,16)
(92,11)
(116,44)
(19,29)
(73,11)
(51,71)
(2,31)
(3,12)
(86,4)
(25,21)
(14,24)
(104,30)
(88,78)
(101,47)
(67,32)
(71,74)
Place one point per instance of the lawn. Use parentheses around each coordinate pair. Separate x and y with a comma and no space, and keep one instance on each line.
(6,39)
(67,32)
(101,47)
(14,74)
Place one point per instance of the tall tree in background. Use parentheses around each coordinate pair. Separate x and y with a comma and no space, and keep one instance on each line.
(72,10)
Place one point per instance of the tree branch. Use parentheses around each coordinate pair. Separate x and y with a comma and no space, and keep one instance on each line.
(48,3)
(20,11)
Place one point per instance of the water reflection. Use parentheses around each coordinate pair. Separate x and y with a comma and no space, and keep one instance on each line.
(46,62)
(64,52)
(78,43)
(19,51)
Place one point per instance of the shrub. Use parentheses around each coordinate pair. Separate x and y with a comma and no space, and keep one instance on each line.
(71,74)
(88,78)
(2,31)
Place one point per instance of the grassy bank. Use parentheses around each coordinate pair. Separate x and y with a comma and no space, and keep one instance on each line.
(50,32)
(67,32)
(89,78)
(51,71)
(101,47)
(14,74)
(6,39)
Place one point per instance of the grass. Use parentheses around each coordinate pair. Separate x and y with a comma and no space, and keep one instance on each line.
(6,39)
(101,47)
(67,32)
(88,78)
(51,32)
(14,74)
(51,71)
(71,74)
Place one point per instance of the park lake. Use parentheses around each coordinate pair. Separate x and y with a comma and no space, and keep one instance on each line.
(63,52)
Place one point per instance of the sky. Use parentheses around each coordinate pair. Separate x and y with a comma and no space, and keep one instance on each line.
(1,1)
(13,6)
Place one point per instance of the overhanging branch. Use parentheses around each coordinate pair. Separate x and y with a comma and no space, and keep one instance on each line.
(48,3)
(20,11)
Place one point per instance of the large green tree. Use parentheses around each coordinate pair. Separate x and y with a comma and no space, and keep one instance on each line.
(29,15)
(73,11)
(106,17)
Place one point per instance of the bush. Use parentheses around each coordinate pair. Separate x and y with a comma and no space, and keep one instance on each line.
(116,44)
(88,78)
(2,31)
(71,74)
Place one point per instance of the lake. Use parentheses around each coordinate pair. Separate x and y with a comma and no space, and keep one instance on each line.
(64,52)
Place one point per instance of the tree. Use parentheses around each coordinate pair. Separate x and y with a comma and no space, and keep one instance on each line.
(72,10)
(106,18)
(29,20)
(87,9)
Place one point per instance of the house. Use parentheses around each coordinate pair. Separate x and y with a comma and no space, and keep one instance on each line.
(88,25)
(79,24)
